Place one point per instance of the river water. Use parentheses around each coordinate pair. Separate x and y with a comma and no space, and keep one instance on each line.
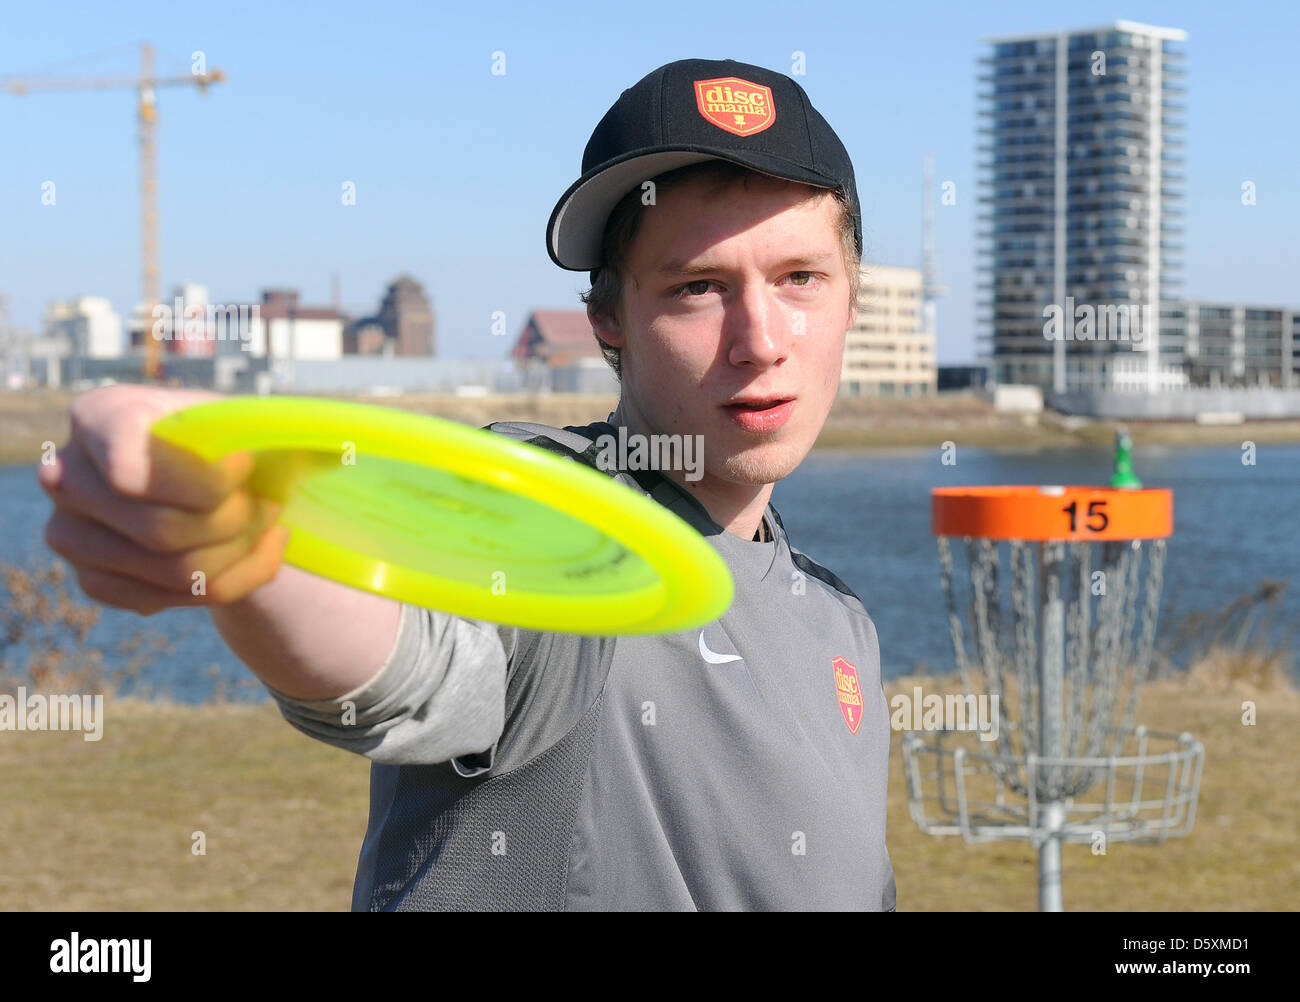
(864,514)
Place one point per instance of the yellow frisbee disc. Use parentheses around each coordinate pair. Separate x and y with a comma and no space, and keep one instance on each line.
(437,514)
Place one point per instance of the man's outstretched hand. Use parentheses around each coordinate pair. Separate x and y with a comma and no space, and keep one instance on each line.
(146,525)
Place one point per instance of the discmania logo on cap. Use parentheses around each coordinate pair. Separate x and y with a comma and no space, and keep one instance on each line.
(736,105)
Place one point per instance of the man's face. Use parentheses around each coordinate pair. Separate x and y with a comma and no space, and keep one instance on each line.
(735,304)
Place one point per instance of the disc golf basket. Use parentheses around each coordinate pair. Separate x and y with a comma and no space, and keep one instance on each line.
(1052,598)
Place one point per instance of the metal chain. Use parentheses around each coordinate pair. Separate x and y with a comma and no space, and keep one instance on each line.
(1101,683)
(954,621)
(1107,641)
(1150,614)
(1026,641)
(1124,690)
(1077,666)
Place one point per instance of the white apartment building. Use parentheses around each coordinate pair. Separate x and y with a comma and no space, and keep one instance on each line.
(888,352)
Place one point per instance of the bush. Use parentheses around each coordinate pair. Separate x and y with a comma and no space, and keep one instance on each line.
(44,636)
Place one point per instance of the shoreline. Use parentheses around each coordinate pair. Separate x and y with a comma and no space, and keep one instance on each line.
(28,419)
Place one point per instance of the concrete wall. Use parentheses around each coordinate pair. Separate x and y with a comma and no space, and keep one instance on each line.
(1015,398)
(1179,404)
(435,375)
(242,372)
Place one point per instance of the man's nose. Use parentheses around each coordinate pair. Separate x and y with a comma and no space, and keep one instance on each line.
(758,327)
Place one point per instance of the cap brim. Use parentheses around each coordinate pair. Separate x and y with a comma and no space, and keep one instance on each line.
(577,225)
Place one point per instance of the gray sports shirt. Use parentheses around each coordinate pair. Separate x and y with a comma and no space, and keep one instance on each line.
(739,766)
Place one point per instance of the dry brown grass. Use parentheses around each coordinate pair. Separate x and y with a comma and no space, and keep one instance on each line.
(1240,855)
(27,420)
(108,825)
(1249,672)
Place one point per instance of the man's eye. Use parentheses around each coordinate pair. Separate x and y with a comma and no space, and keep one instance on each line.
(698,288)
(807,275)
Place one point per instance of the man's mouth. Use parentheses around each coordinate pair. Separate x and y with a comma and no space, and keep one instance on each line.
(760,415)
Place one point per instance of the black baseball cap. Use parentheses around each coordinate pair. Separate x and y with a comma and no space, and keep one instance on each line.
(684,113)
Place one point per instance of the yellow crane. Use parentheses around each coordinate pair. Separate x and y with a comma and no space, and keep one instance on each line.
(145,84)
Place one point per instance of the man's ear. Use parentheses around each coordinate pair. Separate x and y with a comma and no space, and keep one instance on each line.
(853,316)
(607,328)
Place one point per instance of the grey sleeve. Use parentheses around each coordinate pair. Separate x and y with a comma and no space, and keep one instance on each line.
(440,694)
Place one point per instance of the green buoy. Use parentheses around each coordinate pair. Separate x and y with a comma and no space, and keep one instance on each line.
(1124,476)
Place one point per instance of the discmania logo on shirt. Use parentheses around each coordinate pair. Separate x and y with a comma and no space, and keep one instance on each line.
(849,690)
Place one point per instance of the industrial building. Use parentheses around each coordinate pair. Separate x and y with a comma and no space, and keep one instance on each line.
(89,326)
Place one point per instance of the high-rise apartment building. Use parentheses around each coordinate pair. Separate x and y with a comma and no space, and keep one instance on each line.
(1081,145)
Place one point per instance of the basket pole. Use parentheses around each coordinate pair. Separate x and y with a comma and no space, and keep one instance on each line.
(1051,698)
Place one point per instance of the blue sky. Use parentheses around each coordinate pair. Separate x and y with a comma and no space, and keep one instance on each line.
(457,170)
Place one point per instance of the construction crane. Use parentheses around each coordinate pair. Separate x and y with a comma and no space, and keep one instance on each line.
(145,85)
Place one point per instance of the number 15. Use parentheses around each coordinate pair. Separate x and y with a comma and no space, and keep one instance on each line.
(1096,510)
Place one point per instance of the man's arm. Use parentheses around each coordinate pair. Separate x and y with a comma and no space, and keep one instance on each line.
(307,637)
(138,519)
(440,695)
(396,683)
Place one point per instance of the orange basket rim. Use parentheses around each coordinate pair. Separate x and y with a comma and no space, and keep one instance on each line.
(1052,512)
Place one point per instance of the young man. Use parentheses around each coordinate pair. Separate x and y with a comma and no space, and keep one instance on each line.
(741,766)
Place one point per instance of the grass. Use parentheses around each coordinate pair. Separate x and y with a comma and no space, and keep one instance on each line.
(1240,855)
(108,825)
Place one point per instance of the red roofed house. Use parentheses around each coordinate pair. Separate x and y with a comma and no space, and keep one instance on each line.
(556,338)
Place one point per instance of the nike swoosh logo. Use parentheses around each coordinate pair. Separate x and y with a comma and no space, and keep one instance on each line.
(714,658)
